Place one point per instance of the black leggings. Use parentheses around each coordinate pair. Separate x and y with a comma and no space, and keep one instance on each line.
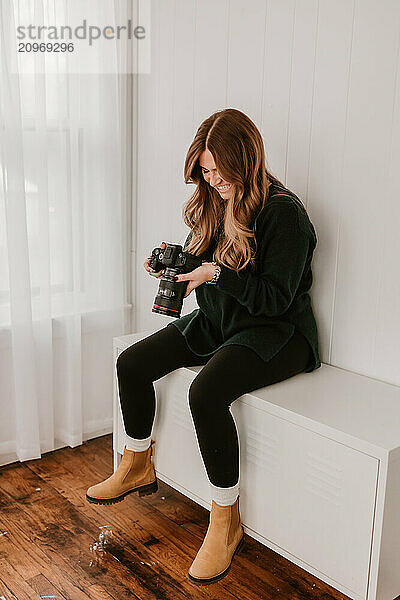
(230,372)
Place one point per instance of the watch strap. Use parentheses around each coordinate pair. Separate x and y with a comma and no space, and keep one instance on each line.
(217,272)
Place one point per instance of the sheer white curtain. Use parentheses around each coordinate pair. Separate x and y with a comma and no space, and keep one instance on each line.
(62,277)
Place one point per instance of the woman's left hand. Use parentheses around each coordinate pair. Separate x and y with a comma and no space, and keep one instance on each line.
(196,277)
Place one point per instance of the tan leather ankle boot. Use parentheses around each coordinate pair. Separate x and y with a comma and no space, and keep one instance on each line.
(135,473)
(224,539)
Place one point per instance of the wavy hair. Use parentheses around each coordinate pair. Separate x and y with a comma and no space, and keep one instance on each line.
(238,151)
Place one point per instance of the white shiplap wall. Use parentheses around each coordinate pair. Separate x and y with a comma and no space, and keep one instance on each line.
(320,79)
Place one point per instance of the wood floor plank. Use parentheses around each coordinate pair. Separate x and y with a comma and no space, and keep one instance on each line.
(55,540)
(16,555)
(60,528)
(44,587)
(15,583)
(96,592)
(5,592)
(160,550)
(23,555)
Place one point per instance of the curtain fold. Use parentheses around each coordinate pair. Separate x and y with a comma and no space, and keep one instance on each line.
(61,245)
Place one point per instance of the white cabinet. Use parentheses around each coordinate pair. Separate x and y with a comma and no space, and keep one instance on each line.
(319,469)
(313,496)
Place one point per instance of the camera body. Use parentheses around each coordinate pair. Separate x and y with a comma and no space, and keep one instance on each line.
(175,260)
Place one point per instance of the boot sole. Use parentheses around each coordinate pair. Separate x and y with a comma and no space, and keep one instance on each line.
(202,581)
(144,490)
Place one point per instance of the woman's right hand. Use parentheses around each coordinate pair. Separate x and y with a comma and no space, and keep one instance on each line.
(149,269)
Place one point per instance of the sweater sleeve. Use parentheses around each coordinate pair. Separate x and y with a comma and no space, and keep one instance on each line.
(282,252)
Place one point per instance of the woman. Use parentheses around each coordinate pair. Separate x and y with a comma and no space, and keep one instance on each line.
(254,326)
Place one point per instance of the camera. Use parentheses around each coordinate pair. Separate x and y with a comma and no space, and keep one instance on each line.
(169,298)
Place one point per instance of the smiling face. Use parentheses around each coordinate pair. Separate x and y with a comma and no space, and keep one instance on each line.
(212,176)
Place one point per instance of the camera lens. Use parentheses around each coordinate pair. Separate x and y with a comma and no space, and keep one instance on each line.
(169,298)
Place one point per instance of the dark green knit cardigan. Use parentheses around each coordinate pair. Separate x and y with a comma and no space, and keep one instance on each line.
(263,308)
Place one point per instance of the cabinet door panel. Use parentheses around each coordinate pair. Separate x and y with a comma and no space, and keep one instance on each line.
(308,494)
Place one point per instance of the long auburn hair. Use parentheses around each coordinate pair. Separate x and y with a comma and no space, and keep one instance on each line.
(238,151)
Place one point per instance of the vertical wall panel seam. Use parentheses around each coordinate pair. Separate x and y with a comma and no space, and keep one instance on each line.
(172,114)
(194,61)
(157,80)
(134,186)
(312,104)
(228,33)
(386,177)
(290,94)
(263,66)
(265,78)
(340,182)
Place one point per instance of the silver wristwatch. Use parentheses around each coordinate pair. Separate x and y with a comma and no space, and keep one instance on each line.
(216,273)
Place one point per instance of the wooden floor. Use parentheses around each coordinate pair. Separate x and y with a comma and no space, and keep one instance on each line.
(54,544)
